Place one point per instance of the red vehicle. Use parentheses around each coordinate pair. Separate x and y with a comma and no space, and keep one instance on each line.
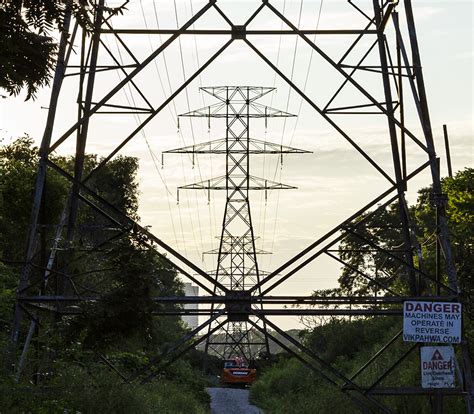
(237,372)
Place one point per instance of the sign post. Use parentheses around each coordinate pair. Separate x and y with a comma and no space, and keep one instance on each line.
(438,322)
(437,366)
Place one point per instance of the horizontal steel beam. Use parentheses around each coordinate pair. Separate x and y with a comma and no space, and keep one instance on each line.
(305,300)
(76,310)
(231,32)
(295,312)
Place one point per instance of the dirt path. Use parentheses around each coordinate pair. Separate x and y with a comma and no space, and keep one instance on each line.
(231,401)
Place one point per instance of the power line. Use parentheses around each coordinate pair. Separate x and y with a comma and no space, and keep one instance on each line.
(301,99)
(174,117)
(153,157)
(284,125)
(307,71)
(192,131)
(196,51)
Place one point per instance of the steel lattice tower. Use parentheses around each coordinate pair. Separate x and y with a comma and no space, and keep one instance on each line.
(237,265)
(381,45)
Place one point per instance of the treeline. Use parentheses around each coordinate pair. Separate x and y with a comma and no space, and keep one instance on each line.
(80,363)
(347,344)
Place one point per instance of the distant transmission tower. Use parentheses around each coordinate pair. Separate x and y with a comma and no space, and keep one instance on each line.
(237,265)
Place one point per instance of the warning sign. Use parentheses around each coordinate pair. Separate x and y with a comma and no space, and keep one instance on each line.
(437,366)
(432,322)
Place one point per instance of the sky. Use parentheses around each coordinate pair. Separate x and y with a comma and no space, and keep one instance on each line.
(333,180)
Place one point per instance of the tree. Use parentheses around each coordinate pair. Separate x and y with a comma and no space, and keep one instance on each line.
(460,213)
(348,343)
(71,357)
(27,44)
(17,173)
(123,271)
(384,229)
(125,312)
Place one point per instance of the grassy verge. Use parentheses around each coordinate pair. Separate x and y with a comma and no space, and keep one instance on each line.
(290,387)
(76,391)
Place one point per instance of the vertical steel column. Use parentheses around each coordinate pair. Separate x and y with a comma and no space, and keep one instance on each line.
(403,207)
(82,131)
(448,152)
(401,109)
(444,232)
(443,222)
(41,175)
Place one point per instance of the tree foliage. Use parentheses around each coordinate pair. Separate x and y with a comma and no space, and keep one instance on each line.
(27,55)
(384,230)
(460,213)
(348,344)
(28,40)
(291,387)
(125,313)
(17,179)
(120,267)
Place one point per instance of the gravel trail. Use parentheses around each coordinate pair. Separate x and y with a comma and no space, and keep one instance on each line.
(231,401)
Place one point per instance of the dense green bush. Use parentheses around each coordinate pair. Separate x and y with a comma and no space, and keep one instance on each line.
(65,370)
(77,390)
(290,387)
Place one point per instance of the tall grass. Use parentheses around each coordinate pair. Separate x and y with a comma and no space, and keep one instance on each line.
(76,391)
(290,387)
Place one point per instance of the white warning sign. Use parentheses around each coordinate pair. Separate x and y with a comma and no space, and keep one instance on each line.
(437,366)
(432,322)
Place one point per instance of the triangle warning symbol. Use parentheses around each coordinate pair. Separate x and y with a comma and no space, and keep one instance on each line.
(437,356)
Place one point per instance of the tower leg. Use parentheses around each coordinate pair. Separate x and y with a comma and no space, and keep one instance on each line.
(31,242)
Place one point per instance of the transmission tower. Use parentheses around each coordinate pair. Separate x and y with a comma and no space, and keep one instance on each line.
(237,265)
(378,64)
